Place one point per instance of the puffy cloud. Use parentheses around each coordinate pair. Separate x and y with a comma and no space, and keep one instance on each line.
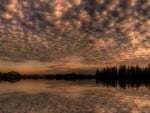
(99,32)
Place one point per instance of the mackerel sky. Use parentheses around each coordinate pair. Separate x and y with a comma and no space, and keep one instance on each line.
(59,36)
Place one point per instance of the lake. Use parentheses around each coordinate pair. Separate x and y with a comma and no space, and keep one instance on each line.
(84,96)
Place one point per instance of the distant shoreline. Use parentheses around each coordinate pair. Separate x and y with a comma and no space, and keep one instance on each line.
(112,76)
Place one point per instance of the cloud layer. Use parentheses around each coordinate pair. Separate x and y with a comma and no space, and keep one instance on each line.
(93,32)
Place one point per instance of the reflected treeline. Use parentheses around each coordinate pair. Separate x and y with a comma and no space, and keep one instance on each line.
(15,76)
(69,76)
(10,76)
(122,76)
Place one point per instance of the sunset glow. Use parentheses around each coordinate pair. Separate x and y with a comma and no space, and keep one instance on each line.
(59,36)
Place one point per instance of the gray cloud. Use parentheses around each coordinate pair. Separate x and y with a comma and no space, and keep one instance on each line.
(96,31)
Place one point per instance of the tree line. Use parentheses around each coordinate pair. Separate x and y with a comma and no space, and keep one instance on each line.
(122,76)
(15,76)
(10,76)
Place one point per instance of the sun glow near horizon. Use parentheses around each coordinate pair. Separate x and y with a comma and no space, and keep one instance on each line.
(72,35)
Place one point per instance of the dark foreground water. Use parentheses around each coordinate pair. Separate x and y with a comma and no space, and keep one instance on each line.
(46,96)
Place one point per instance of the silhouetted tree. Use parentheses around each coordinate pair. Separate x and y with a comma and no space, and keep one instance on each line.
(124,76)
(121,76)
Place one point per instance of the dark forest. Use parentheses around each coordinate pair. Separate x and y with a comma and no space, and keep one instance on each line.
(123,76)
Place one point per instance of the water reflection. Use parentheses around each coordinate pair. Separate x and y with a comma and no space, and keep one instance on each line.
(44,96)
(37,86)
(28,86)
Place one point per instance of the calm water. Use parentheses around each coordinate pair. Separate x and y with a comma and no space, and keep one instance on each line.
(51,96)
(37,86)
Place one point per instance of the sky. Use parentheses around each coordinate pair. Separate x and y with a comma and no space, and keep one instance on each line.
(59,36)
